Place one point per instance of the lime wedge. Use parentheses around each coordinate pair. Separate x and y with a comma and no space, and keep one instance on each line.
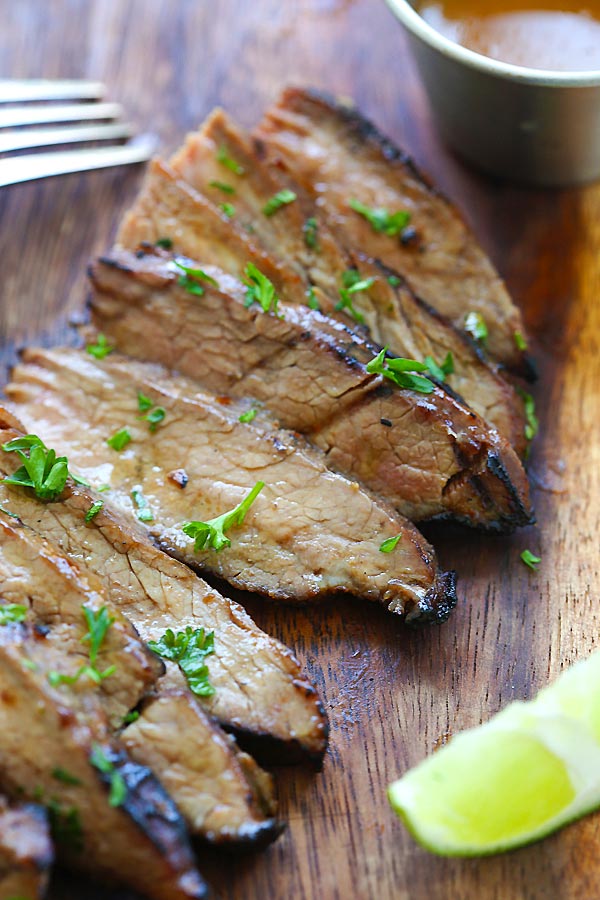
(531,769)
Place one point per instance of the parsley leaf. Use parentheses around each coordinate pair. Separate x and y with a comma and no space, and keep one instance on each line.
(440,371)
(144,513)
(532,424)
(394,280)
(131,717)
(390,544)
(119,440)
(98,625)
(118,788)
(228,162)
(65,825)
(353,284)
(380,219)
(94,510)
(530,559)
(100,349)
(260,290)
(154,417)
(249,415)
(7,512)
(312,301)
(12,612)
(62,775)
(42,470)
(400,372)
(520,341)
(222,186)
(476,327)
(211,534)
(189,650)
(228,209)
(281,198)
(165,243)
(310,230)
(144,403)
(191,278)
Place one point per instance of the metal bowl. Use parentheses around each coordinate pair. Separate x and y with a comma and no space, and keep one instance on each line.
(528,125)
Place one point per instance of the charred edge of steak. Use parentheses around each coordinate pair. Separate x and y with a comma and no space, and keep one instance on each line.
(269,750)
(436,605)
(152,809)
(248,838)
(520,515)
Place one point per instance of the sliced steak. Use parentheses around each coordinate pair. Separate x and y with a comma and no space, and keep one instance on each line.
(309,533)
(35,574)
(26,852)
(427,454)
(48,738)
(260,690)
(331,150)
(297,236)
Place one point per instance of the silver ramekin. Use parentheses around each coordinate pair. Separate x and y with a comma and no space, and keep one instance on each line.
(527,125)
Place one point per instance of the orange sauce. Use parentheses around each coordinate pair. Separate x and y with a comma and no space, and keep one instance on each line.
(563,35)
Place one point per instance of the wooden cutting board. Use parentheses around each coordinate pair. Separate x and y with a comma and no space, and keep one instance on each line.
(391,694)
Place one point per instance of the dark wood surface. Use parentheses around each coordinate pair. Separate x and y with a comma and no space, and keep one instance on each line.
(391,695)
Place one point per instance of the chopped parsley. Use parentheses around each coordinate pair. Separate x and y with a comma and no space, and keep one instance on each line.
(211,534)
(119,440)
(7,512)
(281,198)
(532,424)
(118,788)
(394,280)
(228,209)
(12,612)
(144,513)
(154,415)
(42,469)
(191,278)
(166,243)
(400,371)
(530,559)
(222,186)
(144,403)
(249,415)
(380,220)
(189,650)
(441,371)
(390,544)
(352,284)
(98,624)
(476,327)
(131,717)
(259,289)
(520,341)
(311,300)
(103,487)
(100,349)
(310,230)
(94,510)
(65,777)
(228,162)
(65,825)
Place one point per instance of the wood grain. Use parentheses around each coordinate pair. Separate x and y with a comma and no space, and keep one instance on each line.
(391,694)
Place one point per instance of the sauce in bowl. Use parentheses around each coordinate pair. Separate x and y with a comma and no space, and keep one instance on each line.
(561,35)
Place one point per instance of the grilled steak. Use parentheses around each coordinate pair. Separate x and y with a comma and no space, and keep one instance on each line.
(334,152)
(215,796)
(260,690)
(26,853)
(49,740)
(309,533)
(296,236)
(426,453)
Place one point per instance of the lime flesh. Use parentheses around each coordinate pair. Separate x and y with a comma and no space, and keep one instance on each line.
(528,771)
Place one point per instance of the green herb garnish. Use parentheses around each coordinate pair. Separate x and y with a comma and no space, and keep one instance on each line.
(131,717)
(119,440)
(312,301)
(166,243)
(64,776)
(12,612)
(191,278)
(390,544)
(442,371)
(352,284)
(7,512)
(259,289)
(154,417)
(98,625)
(65,825)
(530,559)
(94,510)
(400,371)
(281,198)
(211,534)
(42,469)
(100,349)
(228,209)
(144,513)
(103,487)
(189,650)
(222,186)
(394,280)
(532,424)
(476,327)
(520,341)
(144,403)
(228,162)
(118,788)
(249,415)
(310,230)
(380,220)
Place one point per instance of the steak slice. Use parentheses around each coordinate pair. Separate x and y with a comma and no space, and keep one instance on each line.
(309,533)
(34,573)
(272,700)
(331,150)
(48,738)
(392,313)
(427,454)
(26,852)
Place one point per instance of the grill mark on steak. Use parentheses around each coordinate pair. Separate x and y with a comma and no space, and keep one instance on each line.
(309,370)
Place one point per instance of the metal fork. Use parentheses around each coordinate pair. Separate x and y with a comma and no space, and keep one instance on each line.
(86,105)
